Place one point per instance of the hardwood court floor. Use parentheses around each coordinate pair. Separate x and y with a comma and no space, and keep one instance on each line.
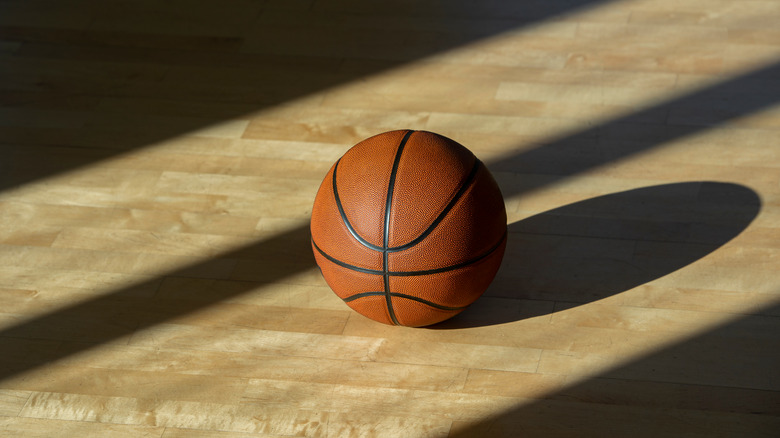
(159,160)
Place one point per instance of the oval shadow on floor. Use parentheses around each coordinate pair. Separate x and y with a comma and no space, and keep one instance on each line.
(596,248)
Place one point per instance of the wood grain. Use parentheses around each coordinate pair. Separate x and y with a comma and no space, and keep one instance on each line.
(158,165)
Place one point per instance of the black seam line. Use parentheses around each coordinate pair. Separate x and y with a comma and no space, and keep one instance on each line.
(410,273)
(451,267)
(352,230)
(386,231)
(409,297)
(346,265)
(464,186)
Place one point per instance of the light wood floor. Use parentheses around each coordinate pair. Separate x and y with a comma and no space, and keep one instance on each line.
(159,160)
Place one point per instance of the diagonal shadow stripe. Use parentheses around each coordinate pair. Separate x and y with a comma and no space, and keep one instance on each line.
(640,131)
(718,383)
(289,253)
(140,85)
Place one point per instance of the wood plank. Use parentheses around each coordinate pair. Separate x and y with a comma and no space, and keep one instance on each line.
(12,401)
(128,383)
(373,400)
(179,414)
(39,427)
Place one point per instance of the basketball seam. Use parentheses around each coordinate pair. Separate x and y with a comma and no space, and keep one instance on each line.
(452,267)
(463,187)
(343,214)
(386,230)
(410,273)
(400,295)
(461,190)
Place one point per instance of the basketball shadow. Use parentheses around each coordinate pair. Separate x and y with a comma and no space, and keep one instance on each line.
(593,249)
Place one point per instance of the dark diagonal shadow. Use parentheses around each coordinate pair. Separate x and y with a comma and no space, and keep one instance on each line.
(119,313)
(117,77)
(257,81)
(593,249)
(19,356)
(640,131)
(719,383)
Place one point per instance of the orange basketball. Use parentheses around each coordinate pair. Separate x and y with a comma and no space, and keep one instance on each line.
(408,228)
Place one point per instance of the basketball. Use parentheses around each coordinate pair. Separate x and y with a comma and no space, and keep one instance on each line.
(408,228)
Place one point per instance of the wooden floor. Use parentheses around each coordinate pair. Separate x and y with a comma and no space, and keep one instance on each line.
(159,161)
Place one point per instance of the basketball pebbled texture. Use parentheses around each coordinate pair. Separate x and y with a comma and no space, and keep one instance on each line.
(408,228)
